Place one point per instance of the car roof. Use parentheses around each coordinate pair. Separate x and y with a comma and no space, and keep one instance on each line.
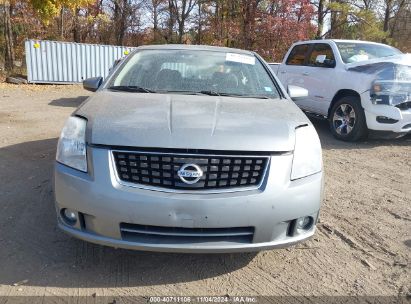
(338,40)
(194,47)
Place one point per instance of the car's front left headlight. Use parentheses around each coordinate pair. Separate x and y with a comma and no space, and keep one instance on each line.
(307,153)
(71,147)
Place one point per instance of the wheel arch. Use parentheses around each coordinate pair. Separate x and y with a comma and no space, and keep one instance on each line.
(342,93)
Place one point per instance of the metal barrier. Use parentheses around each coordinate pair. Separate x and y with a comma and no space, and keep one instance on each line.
(68,62)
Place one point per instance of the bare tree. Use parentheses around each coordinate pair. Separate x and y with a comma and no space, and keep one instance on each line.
(321,13)
(171,21)
(121,10)
(182,10)
(126,18)
(199,19)
(249,9)
(8,37)
(392,7)
(76,26)
(156,8)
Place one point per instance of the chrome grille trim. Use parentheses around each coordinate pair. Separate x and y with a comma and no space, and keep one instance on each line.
(194,191)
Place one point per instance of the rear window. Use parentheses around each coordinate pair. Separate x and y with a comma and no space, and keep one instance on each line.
(297,54)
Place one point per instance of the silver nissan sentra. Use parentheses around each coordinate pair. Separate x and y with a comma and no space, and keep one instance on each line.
(189,149)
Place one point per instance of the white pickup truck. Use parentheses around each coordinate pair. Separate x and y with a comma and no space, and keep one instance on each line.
(358,86)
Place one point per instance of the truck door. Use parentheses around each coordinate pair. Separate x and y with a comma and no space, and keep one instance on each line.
(292,71)
(320,77)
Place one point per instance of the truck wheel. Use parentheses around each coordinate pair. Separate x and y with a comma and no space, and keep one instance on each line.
(347,119)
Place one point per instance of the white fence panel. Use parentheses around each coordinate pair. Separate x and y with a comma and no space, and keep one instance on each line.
(68,62)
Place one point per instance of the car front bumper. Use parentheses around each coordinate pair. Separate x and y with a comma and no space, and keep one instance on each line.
(103,204)
(401,117)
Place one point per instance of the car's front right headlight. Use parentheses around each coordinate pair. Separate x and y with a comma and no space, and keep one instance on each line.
(307,153)
(390,92)
(71,147)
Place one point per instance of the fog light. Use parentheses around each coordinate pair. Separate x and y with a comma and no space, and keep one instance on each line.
(69,216)
(304,223)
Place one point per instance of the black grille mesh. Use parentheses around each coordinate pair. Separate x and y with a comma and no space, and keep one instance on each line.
(160,170)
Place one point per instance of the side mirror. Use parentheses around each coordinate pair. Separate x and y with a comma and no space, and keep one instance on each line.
(92,84)
(297,92)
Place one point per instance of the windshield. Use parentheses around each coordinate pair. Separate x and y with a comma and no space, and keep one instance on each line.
(195,72)
(355,52)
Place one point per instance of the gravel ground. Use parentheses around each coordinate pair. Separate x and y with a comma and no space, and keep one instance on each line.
(362,245)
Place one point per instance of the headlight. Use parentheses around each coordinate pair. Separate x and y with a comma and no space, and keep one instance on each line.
(390,92)
(71,147)
(307,153)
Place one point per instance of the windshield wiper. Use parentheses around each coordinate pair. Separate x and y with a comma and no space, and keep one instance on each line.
(131,89)
(215,93)
(252,96)
(210,92)
(205,92)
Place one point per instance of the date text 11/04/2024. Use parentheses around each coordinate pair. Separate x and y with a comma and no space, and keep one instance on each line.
(204,299)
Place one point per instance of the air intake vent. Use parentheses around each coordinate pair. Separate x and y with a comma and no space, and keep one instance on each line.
(178,235)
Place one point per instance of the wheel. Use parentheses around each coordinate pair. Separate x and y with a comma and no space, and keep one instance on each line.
(347,119)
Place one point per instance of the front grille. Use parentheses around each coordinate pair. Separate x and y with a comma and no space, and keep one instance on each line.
(161,170)
(179,235)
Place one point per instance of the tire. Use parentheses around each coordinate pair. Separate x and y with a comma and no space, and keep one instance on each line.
(347,119)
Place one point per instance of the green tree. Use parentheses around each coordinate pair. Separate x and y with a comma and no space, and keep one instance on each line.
(354,20)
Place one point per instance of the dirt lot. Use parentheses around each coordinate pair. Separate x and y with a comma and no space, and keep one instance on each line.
(362,246)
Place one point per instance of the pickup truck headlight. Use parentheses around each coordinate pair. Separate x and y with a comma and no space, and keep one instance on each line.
(307,153)
(71,147)
(390,92)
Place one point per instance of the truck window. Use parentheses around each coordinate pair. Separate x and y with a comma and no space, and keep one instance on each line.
(297,55)
(322,56)
(355,52)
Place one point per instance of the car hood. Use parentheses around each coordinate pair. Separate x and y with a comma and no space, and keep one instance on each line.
(374,66)
(191,121)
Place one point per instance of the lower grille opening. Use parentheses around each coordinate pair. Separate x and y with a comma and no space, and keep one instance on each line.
(291,228)
(179,235)
(386,120)
(82,221)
